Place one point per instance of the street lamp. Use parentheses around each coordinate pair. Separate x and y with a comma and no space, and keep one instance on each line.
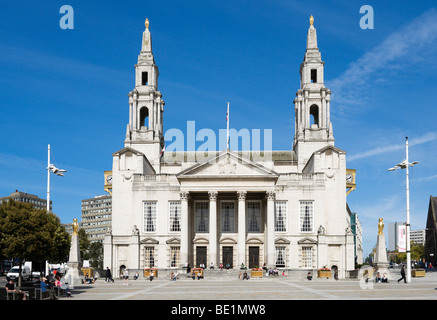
(404,165)
(51,168)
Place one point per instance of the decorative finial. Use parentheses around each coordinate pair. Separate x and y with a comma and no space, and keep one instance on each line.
(311,20)
(147,23)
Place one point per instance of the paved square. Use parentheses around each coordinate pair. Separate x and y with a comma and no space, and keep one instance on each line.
(258,289)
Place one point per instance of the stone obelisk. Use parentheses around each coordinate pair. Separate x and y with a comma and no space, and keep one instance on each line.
(74,261)
(381,263)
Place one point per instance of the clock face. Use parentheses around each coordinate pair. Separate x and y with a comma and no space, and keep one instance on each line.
(349,177)
(109,179)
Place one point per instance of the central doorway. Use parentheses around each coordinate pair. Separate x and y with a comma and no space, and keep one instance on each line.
(253,257)
(200,256)
(228,253)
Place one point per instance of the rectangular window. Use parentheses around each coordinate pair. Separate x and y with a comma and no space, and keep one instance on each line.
(307,257)
(280,216)
(202,217)
(280,256)
(175,254)
(253,216)
(175,216)
(227,217)
(144,78)
(313,75)
(149,216)
(306,216)
(149,257)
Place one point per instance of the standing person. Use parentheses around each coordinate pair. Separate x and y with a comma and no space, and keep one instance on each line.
(126,278)
(108,275)
(403,274)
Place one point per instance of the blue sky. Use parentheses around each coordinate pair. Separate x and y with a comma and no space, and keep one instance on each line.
(68,88)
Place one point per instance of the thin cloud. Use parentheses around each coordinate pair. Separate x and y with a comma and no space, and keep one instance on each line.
(428,137)
(414,39)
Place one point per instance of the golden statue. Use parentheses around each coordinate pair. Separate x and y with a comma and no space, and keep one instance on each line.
(147,23)
(380,226)
(75,227)
(311,20)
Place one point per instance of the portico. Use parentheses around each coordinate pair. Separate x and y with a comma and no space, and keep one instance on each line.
(225,210)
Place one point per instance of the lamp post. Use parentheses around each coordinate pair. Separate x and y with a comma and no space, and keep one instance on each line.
(404,165)
(51,168)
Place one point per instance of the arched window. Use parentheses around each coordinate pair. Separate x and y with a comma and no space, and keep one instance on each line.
(144,117)
(314,115)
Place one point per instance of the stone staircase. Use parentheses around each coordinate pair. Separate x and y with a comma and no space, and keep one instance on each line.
(233,274)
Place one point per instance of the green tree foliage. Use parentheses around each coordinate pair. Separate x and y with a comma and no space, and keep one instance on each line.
(30,234)
(84,242)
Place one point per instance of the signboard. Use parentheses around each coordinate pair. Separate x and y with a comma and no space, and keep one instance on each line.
(402,238)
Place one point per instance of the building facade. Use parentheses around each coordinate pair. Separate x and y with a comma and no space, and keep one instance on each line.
(96,217)
(34,200)
(284,209)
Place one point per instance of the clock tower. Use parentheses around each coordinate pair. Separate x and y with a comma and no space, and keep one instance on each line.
(313,127)
(144,132)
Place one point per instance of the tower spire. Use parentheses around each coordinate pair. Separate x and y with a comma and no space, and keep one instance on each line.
(312,35)
(147,40)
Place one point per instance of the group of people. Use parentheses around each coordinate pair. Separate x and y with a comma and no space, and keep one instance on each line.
(243,276)
(46,285)
(378,277)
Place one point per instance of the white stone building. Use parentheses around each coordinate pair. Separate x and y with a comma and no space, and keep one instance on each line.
(284,209)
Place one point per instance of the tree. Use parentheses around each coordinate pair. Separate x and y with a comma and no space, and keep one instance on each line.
(84,242)
(96,255)
(30,234)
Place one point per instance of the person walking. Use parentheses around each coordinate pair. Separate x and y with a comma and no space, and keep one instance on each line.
(108,275)
(126,278)
(403,274)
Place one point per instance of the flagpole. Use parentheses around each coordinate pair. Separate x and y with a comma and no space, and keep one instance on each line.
(227,130)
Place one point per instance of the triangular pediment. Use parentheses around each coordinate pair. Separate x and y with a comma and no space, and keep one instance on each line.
(307,241)
(128,150)
(228,164)
(149,241)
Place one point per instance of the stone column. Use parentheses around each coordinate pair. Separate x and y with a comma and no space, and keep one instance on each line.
(241,227)
(213,227)
(184,227)
(270,239)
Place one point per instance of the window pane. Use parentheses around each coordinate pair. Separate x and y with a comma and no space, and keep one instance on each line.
(306,216)
(280,256)
(174,256)
(307,257)
(202,217)
(149,216)
(175,216)
(280,216)
(227,217)
(149,257)
(253,217)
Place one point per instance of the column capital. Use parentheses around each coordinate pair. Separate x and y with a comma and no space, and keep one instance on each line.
(241,195)
(212,195)
(270,195)
(185,195)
